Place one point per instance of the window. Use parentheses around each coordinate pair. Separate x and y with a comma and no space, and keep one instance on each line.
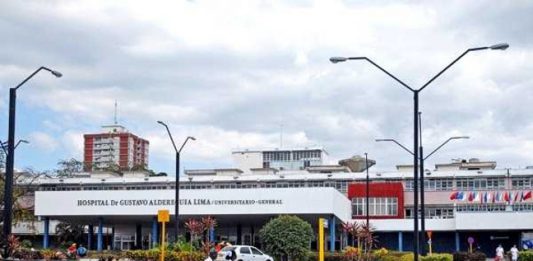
(521,183)
(256,251)
(377,206)
(245,250)
(480,183)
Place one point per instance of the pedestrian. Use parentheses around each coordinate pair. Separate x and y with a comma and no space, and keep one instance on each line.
(212,255)
(219,246)
(72,251)
(82,251)
(514,253)
(499,253)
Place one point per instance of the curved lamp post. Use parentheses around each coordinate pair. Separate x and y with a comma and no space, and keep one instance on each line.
(10,161)
(501,46)
(178,152)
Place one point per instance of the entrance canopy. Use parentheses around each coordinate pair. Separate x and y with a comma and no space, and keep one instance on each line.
(118,204)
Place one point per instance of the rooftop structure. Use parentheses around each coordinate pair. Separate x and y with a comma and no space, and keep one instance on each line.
(280,158)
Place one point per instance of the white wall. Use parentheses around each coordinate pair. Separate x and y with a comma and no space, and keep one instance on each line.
(194,202)
(494,220)
(248,160)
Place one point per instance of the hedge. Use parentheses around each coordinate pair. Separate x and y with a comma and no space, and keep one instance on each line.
(526,255)
(465,256)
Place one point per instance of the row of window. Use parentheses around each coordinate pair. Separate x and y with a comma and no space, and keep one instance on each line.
(269,156)
(470,184)
(432,212)
(446,212)
(339,185)
(378,206)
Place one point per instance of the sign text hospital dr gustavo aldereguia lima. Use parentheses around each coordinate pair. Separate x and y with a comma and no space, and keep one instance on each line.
(171,202)
(267,201)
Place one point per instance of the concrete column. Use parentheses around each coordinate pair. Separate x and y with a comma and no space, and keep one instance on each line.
(239,234)
(100,235)
(155,237)
(138,236)
(212,234)
(332,236)
(457,242)
(113,238)
(90,235)
(400,241)
(46,236)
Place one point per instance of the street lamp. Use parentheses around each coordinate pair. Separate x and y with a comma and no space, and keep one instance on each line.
(422,189)
(4,143)
(178,152)
(367,191)
(416,92)
(10,161)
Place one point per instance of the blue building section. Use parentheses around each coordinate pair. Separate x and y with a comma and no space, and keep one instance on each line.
(447,242)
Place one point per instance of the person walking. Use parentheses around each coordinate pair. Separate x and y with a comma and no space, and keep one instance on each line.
(514,253)
(212,255)
(82,251)
(499,253)
(72,251)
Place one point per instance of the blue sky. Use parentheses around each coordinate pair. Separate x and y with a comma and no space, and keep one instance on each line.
(230,73)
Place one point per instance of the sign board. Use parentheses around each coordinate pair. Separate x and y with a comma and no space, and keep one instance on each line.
(325,222)
(163,215)
(470,240)
(429,232)
(265,201)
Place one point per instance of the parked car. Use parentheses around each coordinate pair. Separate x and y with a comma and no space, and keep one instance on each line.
(244,253)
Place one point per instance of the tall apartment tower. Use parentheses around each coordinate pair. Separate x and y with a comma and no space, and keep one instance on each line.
(114,147)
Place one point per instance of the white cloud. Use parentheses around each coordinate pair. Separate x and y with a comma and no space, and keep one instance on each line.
(227,72)
(43,141)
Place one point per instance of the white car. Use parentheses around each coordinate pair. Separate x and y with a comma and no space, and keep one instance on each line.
(244,253)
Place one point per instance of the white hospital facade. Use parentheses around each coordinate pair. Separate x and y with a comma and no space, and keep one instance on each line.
(120,211)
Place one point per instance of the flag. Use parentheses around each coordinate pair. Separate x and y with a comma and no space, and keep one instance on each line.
(526,196)
(500,197)
(485,197)
(453,196)
(461,196)
(471,196)
(516,196)
(477,196)
(506,197)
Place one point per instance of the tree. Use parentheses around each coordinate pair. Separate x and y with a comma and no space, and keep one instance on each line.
(67,168)
(23,190)
(68,233)
(287,237)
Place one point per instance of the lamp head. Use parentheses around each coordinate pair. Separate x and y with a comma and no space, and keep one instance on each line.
(24,141)
(162,123)
(460,137)
(500,46)
(192,138)
(338,59)
(56,73)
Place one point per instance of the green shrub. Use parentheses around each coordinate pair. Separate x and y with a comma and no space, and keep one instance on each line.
(389,258)
(106,255)
(465,256)
(437,257)
(287,236)
(407,257)
(26,243)
(328,256)
(526,255)
(153,254)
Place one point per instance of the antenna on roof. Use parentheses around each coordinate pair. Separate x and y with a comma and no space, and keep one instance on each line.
(115,115)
